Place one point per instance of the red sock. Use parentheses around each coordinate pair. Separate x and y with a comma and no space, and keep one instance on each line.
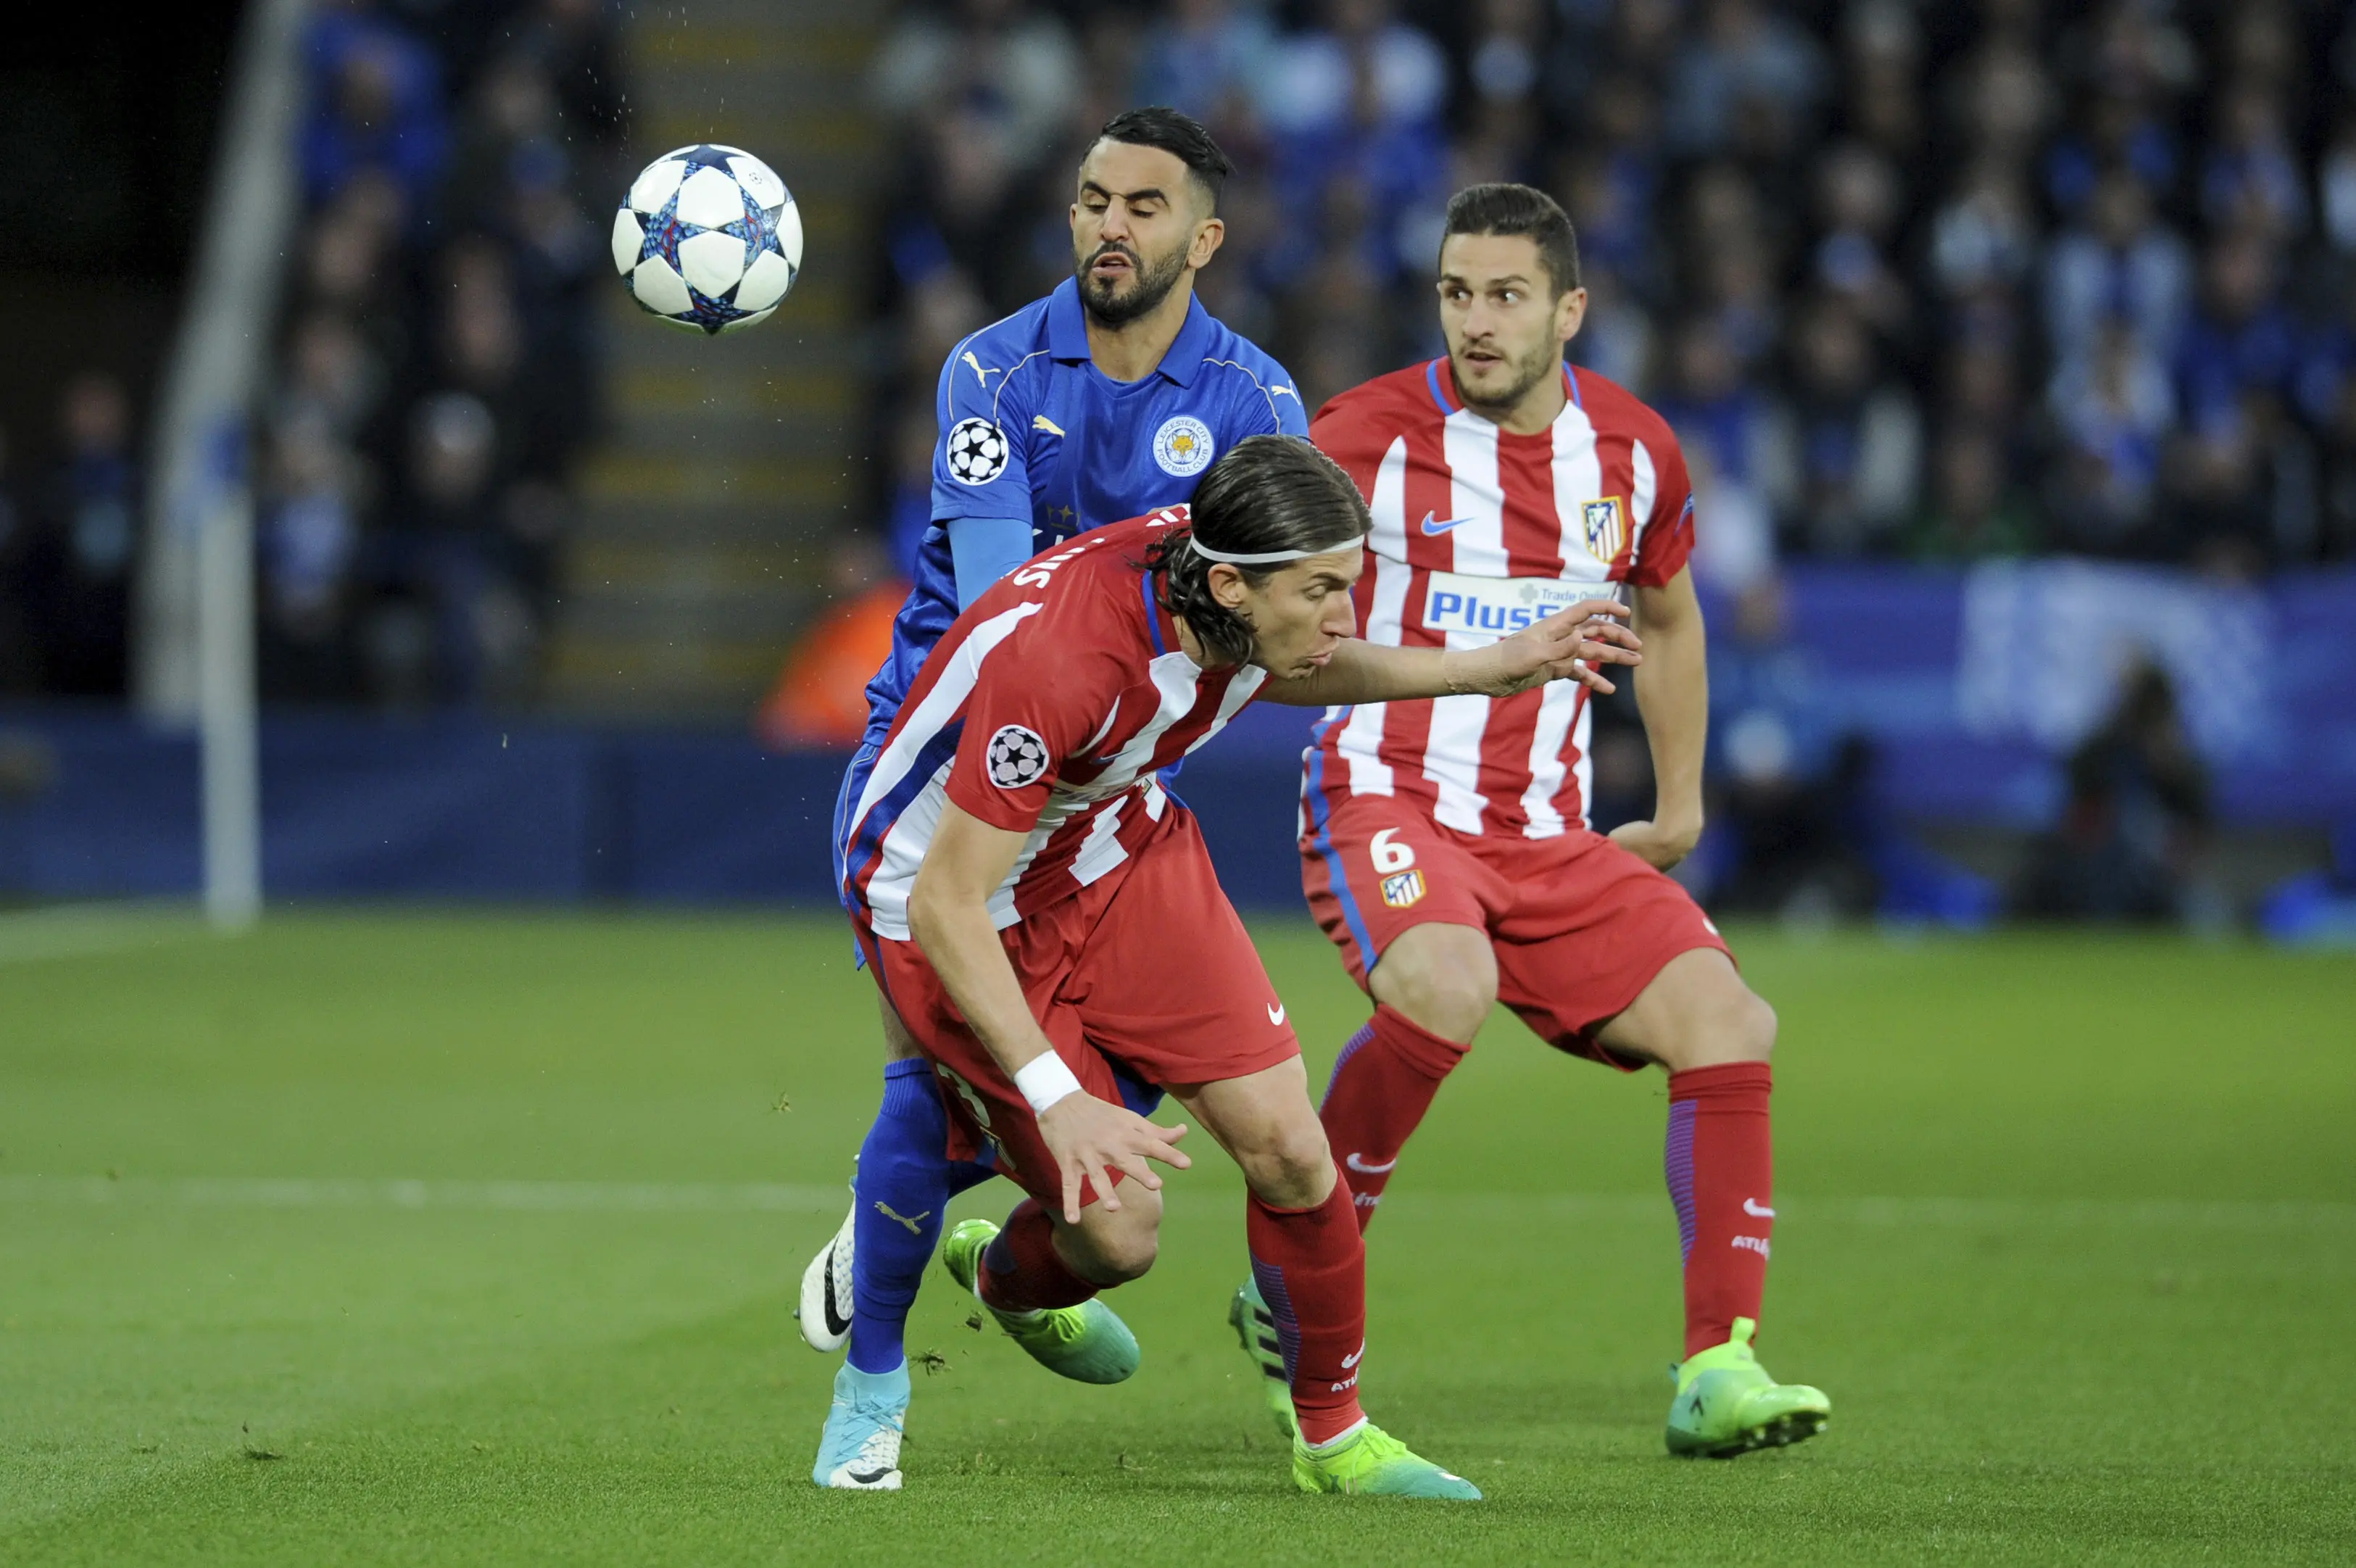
(1021,1270)
(1721,1177)
(1382,1086)
(1311,1264)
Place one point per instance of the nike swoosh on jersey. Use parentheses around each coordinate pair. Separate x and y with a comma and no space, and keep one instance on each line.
(1433,527)
(1275,1013)
(1362,1168)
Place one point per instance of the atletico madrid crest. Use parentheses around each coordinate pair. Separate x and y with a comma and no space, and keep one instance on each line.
(1606,529)
(1404,890)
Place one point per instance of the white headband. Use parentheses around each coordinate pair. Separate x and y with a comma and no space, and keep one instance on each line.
(1266,558)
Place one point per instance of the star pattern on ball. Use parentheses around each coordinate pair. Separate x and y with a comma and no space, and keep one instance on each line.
(707,238)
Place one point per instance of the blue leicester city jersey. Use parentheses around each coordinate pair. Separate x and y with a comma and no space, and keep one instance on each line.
(1031,431)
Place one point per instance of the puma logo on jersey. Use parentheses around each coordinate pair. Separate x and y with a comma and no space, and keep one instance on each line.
(1041,422)
(982,375)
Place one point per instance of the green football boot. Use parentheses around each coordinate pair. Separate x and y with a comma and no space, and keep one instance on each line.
(1087,1343)
(1727,1404)
(1371,1462)
(1249,1315)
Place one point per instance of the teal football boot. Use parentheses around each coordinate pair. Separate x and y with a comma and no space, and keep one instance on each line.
(1371,1462)
(1087,1343)
(860,1450)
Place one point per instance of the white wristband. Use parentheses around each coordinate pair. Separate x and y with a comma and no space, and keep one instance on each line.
(1044,1079)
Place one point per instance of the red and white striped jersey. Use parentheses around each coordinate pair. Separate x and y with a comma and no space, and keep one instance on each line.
(1046,710)
(1477,534)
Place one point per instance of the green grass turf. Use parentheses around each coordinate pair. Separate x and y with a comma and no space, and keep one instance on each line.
(2068,1230)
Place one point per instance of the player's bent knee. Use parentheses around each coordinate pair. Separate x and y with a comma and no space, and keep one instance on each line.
(1291,1171)
(1451,1006)
(1115,1260)
(1111,1246)
(1739,1027)
(1444,977)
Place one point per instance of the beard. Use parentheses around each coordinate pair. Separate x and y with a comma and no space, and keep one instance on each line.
(1149,287)
(1528,372)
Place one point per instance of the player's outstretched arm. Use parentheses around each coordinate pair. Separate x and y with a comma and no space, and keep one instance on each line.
(948,914)
(1570,645)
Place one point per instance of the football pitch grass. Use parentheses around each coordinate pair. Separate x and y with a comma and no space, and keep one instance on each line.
(474,1238)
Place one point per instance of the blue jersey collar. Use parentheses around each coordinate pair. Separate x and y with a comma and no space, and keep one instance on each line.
(1067,335)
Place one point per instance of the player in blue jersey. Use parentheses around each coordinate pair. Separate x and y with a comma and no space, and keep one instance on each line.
(1104,401)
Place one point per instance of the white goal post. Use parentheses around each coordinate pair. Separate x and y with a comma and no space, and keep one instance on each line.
(193,658)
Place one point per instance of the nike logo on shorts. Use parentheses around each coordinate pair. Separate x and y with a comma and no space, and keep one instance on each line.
(1363,1168)
(1756,1212)
(1350,1361)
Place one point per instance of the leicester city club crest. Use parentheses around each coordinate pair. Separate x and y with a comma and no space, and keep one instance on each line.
(1606,528)
(1182,446)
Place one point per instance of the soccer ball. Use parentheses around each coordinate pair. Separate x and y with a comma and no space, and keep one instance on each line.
(709,239)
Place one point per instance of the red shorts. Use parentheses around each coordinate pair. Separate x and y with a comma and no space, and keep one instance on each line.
(1147,966)
(1580,926)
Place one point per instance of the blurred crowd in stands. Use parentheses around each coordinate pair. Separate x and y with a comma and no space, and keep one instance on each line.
(1932,281)
(69,548)
(431,385)
(1935,281)
(435,379)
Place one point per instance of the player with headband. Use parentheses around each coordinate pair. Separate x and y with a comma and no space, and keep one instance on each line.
(1042,916)
(1104,401)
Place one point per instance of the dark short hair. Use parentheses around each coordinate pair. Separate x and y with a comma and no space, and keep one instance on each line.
(1265,493)
(1502,209)
(1179,135)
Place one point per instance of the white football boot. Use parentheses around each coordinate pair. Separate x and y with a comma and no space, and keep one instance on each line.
(824,1313)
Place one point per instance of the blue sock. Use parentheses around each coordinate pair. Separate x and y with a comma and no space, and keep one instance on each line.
(901,1169)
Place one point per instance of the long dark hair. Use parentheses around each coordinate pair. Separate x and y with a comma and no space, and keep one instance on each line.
(1265,494)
